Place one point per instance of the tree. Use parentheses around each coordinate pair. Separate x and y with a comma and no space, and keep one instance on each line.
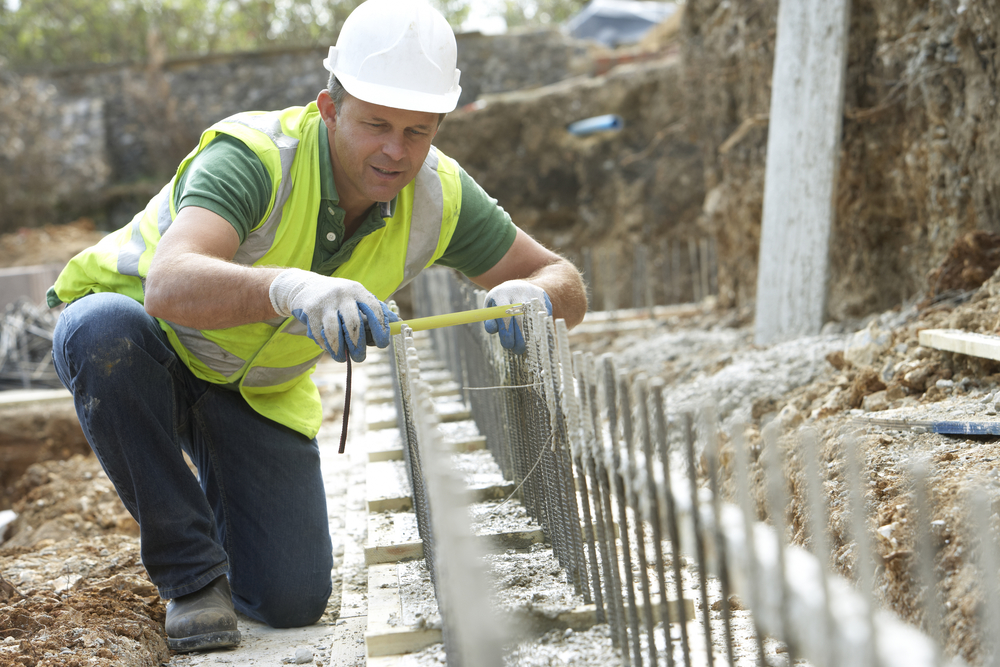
(41,33)
(46,33)
(519,13)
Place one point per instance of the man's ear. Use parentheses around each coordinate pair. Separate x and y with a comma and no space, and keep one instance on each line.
(327,109)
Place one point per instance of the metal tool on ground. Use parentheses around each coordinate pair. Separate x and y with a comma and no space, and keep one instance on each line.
(947,427)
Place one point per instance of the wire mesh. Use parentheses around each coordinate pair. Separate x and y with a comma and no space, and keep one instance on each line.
(635,512)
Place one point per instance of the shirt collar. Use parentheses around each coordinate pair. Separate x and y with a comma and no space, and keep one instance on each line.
(327,186)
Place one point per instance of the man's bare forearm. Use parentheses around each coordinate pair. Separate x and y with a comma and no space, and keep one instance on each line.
(564,285)
(209,293)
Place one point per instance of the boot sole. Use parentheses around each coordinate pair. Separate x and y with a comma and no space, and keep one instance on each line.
(207,641)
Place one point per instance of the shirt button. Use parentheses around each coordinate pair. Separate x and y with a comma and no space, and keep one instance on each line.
(331,237)
(329,209)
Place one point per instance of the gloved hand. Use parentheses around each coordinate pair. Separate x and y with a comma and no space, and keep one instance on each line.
(509,328)
(334,311)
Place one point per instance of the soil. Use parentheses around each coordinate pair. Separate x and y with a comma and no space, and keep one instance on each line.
(51,244)
(74,591)
(916,195)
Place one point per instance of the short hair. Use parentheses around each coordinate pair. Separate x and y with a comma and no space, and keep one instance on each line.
(337,91)
(338,94)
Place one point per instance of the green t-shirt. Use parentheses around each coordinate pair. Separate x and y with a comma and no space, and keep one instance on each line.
(227,178)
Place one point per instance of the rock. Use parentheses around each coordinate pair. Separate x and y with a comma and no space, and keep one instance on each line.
(789,417)
(866,346)
(875,402)
(303,656)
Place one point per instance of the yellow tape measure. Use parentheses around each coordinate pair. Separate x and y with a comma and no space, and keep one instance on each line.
(461,317)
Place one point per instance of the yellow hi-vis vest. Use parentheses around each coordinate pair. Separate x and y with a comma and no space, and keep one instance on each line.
(273,360)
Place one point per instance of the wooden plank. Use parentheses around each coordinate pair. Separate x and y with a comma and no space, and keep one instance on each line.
(979,345)
(384,636)
(13,397)
(448,414)
(432,377)
(467,444)
(537,623)
(393,537)
(388,489)
(803,149)
(497,542)
(384,445)
(393,553)
(379,396)
(380,416)
(480,494)
(387,454)
(386,451)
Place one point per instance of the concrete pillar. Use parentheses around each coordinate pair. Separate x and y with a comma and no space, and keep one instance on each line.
(803,149)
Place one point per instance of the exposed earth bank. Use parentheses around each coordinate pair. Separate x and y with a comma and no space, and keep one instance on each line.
(72,575)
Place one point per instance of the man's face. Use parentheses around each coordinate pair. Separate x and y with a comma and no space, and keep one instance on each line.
(377,150)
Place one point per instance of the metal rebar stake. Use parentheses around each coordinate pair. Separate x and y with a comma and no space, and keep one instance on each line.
(588,395)
(617,477)
(588,489)
(632,477)
(722,562)
(577,488)
(749,510)
(777,505)
(988,557)
(642,403)
(864,569)
(699,537)
(612,574)
(817,522)
(926,576)
(673,529)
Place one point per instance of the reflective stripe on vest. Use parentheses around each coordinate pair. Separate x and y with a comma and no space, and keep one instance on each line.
(128,256)
(262,376)
(260,240)
(425,225)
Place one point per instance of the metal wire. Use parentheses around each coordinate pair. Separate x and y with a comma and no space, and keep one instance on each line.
(580,442)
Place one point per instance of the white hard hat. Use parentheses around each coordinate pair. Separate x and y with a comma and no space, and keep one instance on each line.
(398,53)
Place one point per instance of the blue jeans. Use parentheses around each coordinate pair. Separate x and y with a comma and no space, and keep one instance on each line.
(257,509)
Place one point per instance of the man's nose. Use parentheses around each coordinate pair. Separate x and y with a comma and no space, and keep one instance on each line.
(393,147)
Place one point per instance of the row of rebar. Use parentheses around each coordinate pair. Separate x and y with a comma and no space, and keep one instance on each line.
(630,497)
(648,274)
(471,632)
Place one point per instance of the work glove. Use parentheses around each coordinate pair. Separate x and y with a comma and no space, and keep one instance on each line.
(336,311)
(509,328)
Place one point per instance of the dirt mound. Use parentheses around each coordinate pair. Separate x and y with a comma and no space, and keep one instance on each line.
(884,373)
(968,264)
(118,621)
(32,433)
(72,588)
(51,244)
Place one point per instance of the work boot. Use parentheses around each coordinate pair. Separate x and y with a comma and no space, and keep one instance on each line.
(203,620)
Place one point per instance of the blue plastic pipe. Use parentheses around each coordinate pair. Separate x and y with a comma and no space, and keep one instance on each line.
(596,124)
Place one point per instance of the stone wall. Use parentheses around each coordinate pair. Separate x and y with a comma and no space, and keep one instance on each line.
(99,141)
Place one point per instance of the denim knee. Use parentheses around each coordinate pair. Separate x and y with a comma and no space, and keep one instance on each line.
(284,608)
(104,329)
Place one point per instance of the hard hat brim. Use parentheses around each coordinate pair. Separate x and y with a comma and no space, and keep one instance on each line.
(396,98)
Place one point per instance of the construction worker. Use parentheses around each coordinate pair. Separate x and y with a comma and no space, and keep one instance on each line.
(195,327)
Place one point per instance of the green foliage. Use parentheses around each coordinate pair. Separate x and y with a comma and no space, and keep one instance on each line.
(45,33)
(519,13)
(63,32)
